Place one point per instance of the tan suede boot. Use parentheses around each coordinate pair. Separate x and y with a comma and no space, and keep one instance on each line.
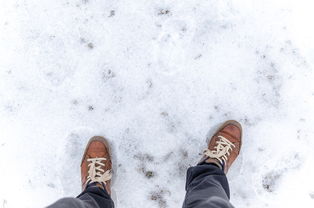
(96,164)
(224,147)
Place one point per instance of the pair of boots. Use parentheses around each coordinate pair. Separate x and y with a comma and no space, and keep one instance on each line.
(222,150)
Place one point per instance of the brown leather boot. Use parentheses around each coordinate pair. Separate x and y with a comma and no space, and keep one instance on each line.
(96,164)
(224,146)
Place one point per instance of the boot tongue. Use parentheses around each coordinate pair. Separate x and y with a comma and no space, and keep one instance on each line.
(100,185)
(216,162)
(93,184)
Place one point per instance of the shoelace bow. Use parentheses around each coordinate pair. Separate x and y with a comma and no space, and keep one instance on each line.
(96,173)
(221,152)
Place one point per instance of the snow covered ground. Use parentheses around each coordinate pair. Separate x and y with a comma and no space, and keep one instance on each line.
(155,78)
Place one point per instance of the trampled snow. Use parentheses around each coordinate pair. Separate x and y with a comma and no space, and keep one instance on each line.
(156,78)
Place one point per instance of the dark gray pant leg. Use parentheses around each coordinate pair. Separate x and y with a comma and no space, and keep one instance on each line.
(206,187)
(92,197)
(73,203)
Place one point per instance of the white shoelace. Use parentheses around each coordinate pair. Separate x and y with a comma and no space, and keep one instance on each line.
(221,152)
(97,173)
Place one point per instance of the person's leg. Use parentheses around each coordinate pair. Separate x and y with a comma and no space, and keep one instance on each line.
(94,193)
(96,178)
(92,197)
(206,184)
(72,203)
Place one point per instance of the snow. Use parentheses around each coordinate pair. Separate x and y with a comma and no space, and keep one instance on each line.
(156,78)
